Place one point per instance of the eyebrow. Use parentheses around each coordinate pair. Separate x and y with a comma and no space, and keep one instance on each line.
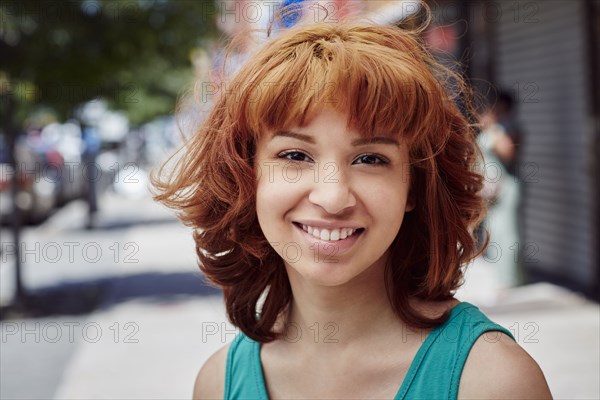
(356,142)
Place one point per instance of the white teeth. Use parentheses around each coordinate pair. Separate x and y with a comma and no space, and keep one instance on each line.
(327,234)
(335,234)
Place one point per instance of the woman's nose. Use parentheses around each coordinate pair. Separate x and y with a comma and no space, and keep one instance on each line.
(332,192)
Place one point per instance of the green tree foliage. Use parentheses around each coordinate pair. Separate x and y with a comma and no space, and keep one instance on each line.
(135,54)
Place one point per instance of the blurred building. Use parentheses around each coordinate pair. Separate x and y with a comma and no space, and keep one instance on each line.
(546,53)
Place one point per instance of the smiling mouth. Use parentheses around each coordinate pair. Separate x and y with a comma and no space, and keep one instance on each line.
(331,235)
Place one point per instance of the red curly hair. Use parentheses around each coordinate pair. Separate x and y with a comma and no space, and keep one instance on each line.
(386,81)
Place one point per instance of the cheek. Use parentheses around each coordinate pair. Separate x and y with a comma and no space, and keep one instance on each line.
(273,201)
(265,196)
(388,194)
(386,203)
(274,197)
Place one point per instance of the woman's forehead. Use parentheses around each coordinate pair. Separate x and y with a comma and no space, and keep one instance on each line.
(322,121)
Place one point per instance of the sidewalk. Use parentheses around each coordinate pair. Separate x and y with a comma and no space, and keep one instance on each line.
(144,338)
(133,236)
(558,328)
(157,321)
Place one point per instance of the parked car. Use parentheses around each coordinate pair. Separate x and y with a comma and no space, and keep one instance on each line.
(65,139)
(36,196)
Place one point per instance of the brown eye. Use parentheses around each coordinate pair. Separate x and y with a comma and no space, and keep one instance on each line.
(294,156)
(372,159)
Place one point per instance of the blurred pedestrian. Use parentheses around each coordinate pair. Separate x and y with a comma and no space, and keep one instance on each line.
(333,196)
(92,172)
(501,190)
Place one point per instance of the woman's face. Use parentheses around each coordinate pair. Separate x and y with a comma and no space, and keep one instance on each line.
(329,201)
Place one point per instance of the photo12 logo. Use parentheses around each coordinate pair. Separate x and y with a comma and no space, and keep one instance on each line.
(72,172)
(72,252)
(71,331)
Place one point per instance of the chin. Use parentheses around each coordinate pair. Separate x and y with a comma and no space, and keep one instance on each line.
(330,274)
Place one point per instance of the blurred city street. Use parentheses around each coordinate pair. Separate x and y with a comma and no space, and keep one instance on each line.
(143,338)
(94,94)
(154,321)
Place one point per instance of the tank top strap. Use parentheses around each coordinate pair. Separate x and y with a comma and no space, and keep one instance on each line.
(436,370)
(243,373)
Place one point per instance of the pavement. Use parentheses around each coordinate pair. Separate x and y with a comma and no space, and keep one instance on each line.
(135,318)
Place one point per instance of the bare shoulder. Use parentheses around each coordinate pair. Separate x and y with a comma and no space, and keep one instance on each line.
(501,369)
(210,381)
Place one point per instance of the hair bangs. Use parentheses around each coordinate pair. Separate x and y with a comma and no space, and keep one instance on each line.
(380,89)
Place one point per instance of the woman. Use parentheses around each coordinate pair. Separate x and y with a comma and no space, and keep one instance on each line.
(333,194)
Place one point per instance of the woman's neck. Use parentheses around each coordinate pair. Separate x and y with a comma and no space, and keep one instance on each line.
(357,311)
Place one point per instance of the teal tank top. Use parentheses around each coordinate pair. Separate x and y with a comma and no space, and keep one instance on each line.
(433,374)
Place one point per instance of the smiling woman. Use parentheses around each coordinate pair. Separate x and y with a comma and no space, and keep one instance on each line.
(332,190)
(334,206)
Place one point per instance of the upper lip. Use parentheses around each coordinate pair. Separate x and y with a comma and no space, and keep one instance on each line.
(321,224)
